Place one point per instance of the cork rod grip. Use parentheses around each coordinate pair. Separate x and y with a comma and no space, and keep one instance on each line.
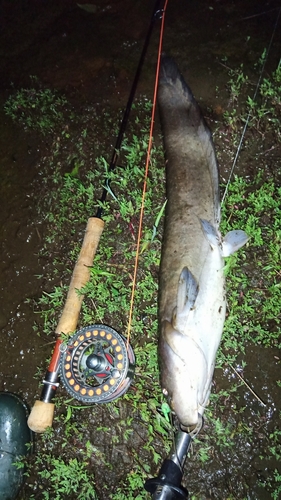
(42,413)
(81,274)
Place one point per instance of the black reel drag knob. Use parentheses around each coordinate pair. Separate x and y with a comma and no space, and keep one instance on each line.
(97,365)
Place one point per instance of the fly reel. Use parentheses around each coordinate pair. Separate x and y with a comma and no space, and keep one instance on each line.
(96,365)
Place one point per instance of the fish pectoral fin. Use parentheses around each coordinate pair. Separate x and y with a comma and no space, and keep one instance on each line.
(211,233)
(186,297)
(233,241)
(187,290)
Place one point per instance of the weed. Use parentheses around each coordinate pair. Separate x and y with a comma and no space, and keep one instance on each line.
(36,108)
(253,301)
(67,477)
(262,112)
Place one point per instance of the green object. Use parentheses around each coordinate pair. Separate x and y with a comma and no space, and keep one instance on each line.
(166,410)
(14,437)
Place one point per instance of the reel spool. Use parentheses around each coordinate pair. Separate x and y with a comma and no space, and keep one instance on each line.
(96,365)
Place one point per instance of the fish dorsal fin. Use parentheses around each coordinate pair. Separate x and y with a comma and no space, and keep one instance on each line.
(186,297)
(233,241)
(229,244)
(210,232)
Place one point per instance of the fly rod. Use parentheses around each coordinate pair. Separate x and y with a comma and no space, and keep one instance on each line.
(99,363)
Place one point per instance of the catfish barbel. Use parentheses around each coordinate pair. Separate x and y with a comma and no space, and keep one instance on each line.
(192,300)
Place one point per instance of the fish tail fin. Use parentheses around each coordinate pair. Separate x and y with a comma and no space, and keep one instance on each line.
(170,75)
(175,96)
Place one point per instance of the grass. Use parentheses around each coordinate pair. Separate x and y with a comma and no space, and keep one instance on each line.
(254,284)
(261,109)
(36,108)
(110,450)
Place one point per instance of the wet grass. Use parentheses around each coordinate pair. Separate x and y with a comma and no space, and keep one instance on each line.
(258,107)
(37,108)
(108,451)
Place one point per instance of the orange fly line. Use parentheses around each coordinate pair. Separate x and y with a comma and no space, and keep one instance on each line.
(129,327)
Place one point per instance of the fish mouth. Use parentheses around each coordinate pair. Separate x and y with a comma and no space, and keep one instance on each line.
(190,429)
(193,430)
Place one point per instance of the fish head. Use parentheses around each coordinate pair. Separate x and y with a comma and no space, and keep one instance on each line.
(183,371)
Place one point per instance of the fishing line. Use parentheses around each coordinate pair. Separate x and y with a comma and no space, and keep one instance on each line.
(258,15)
(249,114)
(148,156)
